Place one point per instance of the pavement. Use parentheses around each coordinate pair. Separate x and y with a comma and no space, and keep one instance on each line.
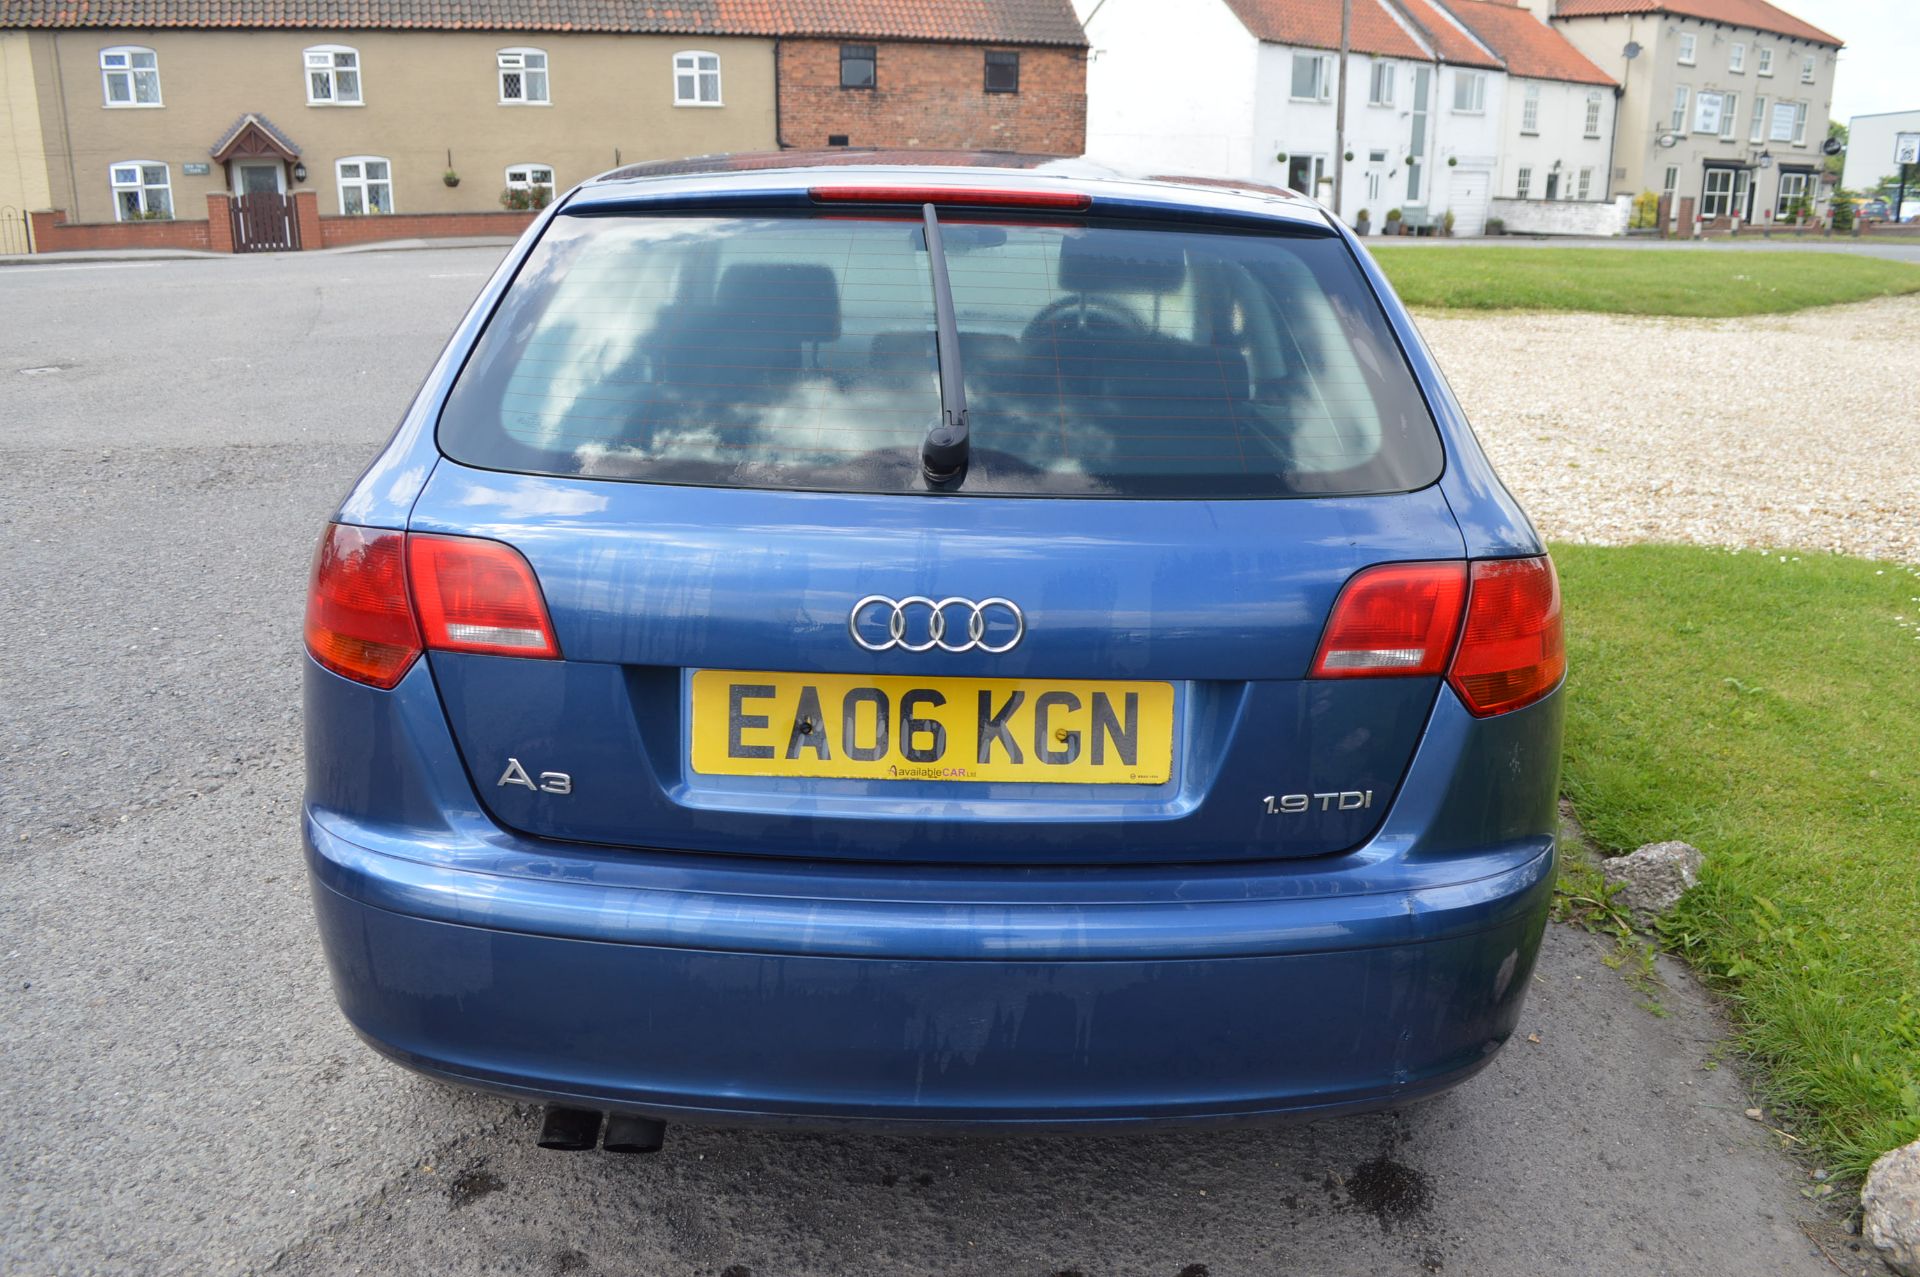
(181,1095)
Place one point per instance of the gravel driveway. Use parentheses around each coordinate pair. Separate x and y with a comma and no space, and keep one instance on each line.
(1776,431)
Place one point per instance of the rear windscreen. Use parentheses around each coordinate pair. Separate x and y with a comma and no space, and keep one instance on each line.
(799,352)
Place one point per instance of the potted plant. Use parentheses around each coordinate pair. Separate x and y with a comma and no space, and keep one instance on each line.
(1446,223)
(450,177)
(1395,224)
(1496,226)
(1363,224)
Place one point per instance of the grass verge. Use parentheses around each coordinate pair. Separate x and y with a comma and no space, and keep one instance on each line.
(1767,710)
(1706,283)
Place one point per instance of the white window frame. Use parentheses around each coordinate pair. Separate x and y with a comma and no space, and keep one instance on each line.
(324,60)
(520,178)
(1476,82)
(1530,111)
(1765,56)
(118,62)
(1689,47)
(1782,205)
(519,61)
(1671,186)
(1585,188)
(141,186)
(1708,195)
(1523,184)
(1806,69)
(362,183)
(1799,124)
(1737,58)
(1593,114)
(1729,116)
(1682,98)
(1322,77)
(1382,76)
(1759,127)
(691,76)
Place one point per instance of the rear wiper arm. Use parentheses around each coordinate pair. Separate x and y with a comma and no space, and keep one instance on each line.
(944,452)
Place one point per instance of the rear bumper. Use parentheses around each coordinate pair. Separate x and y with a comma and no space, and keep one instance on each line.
(736,990)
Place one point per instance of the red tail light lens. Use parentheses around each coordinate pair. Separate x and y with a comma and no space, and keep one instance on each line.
(956,196)
(1513,651)
(473,595)
(1398,619)
(358,622)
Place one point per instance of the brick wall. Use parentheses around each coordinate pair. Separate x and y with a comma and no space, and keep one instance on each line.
(52,234)
(335,231)
(932,96)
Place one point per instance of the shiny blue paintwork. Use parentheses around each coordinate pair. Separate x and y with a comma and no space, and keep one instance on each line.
(1055,955)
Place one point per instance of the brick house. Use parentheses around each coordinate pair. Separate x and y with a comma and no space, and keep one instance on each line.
(243,125)
(992,75)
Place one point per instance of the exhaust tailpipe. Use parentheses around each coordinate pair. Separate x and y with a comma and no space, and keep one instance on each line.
(569,1129)
(629,1134)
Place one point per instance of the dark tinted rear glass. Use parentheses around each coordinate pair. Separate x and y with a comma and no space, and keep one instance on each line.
(798,352)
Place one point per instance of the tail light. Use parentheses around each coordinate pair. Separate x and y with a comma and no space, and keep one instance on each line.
(477,596)
(1513,651)
(1402,619)
(358,622)
(379,598)
(1396,619)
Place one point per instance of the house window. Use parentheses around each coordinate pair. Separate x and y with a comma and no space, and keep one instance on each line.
(1523,188)
(1765,55)
(1671,183)
(1003,71)
(1380,85)
(130,76)
(1689,44)
(141,191)
(523,77)
(1729,115)
(333,76)
(857,66)
(1470,92)
(1530,110)
(1304,173)
(366,184)
(529,186)
(1799,123)
(1311,74)
(1806,69)
(1758,132)
(1593,115)
(1585,188)
(1793,189)
(1737,58)
(1706,113)
(1717,198)
(1678,122)
(696,79)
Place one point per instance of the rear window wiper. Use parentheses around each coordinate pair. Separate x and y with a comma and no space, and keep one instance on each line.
(944,452)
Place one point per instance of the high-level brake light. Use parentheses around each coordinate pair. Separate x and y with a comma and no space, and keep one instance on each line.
(379,598)
(952,197)
(1403,619)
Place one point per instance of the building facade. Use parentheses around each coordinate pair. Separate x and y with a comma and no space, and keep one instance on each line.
(1724,103)
(1870,153)
(1428,101)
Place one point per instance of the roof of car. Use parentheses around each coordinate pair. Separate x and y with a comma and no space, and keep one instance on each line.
(792,173)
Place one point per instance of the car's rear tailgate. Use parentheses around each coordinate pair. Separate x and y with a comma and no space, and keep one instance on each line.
(1223,602)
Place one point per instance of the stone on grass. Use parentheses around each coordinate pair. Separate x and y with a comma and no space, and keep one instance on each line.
(1890,1209)
(1653,879)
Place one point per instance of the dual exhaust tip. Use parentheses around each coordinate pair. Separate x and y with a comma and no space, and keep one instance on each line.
(575,1130)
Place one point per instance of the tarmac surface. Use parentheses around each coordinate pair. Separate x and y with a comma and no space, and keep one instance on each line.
(183,1097)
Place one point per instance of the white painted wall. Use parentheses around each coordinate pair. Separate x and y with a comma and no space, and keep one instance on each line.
(1295,127)
(1465,142)
(1870,140)
(1561,136)
(1170,94)
(1564,217)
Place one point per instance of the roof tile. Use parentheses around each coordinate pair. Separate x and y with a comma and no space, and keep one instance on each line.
(1757,14)
(1528,46)
(1449,41)
(1315,24)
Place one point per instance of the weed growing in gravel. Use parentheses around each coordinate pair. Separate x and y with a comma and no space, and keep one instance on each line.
(1584,898)
(1763,708)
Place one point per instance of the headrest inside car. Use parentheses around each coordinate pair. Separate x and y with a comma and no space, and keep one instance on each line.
(1121,262)
(802,301)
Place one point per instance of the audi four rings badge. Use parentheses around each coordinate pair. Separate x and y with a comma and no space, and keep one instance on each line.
(942,614)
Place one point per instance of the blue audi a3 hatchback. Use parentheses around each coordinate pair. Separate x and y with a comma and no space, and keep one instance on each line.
(941,642)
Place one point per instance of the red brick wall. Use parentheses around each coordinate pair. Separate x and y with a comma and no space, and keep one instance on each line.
(52,234)
(335,231)
(933,96)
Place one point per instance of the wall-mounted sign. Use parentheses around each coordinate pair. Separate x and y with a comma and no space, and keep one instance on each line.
(195,170)
(1906,148)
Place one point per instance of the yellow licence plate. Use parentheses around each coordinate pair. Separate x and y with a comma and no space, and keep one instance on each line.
(868,727)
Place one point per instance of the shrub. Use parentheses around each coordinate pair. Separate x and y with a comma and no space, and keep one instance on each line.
(1646,210)
(1446,222)
(1496,226)
(522,198)
(1843,209)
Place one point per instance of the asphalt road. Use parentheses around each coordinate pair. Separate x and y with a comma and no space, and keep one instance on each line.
(180,1095)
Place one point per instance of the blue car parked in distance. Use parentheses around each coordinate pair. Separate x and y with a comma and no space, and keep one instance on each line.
(932,642)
